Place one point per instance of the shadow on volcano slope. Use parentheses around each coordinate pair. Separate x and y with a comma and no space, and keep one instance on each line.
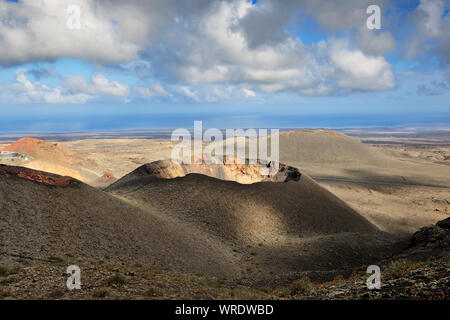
(193,223)
(331,154)
(45,216)
(273,228)
(326,153)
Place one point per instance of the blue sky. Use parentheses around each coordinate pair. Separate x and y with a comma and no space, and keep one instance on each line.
(83,65)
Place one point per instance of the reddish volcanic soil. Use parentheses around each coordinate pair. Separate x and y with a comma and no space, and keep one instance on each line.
(54,158)
(38,176)
(242,173)
(108,177)
(42,150)
(25,146)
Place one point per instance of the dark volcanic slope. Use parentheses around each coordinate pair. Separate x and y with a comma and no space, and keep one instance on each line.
(280,227)
(81,224)
(194,223)
(247,212)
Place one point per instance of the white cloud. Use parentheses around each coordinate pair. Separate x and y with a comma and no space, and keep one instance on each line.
(25,91)
(187,46)
(431,22)
(216,52)
(156,90)
(99,85)
(212,93)
(249,93)
(430,25)
(374,43)
(74,90)
(436,25)
(187,92)
(109,87)
(354,70)
(76,84)
(36,31)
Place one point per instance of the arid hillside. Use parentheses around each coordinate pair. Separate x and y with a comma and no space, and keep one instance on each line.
(328,147)
(42,220)
(55,158)
(327,154)
(398,194)
(193,223)
(42,150)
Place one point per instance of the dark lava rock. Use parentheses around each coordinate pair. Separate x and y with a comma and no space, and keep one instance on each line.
(444,224)
(437,235)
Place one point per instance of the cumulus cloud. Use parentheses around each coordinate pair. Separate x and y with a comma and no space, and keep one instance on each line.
(111,31)
(268,22)
(99,85)
(432,23)
(156,90)
(76,84)
(37,31)
(249,93)
(188,46)
(213,93)
(375,43)
(187,92)
(74,90)
(218,52)
(139,68)
(338,15)
(358,71)
(109,87)
(266,25)
(25,91)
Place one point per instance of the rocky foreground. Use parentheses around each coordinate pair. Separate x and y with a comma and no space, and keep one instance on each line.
(421,272)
